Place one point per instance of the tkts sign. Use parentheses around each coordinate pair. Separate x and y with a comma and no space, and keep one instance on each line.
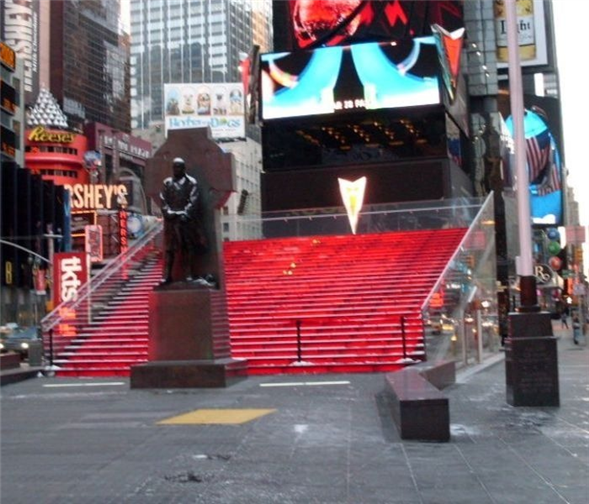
(70,272)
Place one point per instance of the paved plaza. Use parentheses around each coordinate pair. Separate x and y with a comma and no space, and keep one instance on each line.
(291,439)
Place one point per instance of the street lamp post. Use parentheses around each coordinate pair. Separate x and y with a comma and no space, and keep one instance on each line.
(531,365)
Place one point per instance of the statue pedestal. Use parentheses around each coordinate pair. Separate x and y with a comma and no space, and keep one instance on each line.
(188,340)
(531,361)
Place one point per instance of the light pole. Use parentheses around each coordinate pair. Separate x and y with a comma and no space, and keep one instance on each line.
(531,365)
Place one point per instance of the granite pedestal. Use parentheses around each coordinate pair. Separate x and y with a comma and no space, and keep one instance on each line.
(188,340)
(531,361)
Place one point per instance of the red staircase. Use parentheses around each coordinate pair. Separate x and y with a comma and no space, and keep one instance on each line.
(117,336)
(349,298)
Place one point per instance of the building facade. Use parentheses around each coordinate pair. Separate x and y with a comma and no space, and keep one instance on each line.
(188,41)
(194,42)
(90,62)
(11,105)
(78,51)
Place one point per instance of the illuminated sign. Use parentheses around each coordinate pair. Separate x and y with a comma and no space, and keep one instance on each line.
(353,198)
(123,231)
(7,56)
(41,134)
(332,80)
(96,196)
(8,97)
(70,273)
(8,141)
(544,169)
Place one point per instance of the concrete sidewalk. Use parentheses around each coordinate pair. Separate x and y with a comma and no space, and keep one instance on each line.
(317,439)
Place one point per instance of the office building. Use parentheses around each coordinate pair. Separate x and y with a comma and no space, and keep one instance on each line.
(182,41)
(90,63)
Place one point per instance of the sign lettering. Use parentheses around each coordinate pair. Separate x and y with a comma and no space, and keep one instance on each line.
(70,273)
(96,196)
(543,273)
(41,134)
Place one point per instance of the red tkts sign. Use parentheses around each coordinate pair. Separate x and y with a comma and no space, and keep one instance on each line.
(70,272)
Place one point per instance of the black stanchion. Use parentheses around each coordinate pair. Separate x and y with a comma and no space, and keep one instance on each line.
(299,347)
(403,336)
(51,347)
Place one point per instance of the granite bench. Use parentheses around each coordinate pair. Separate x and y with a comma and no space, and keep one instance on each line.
(419,410)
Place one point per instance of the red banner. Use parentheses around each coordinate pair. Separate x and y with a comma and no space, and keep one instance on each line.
(70,272)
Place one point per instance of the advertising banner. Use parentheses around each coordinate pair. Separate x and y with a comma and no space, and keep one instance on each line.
(531,32)
(215,105)
(70,272)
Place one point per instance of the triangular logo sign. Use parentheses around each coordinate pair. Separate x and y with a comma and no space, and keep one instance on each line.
(353,198)
(449,45)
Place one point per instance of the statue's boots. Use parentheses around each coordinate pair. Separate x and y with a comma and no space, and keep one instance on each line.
(169,263)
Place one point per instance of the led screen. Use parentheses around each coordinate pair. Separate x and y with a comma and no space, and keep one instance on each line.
(544,169)
(309,24)
(338,79)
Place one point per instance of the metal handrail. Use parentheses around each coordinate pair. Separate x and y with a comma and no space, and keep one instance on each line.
(52,319)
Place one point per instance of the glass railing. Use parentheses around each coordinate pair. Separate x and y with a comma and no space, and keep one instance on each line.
(441,214)
(460,313)
(68,320)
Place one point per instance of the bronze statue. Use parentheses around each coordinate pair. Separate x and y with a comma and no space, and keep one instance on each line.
(182,230)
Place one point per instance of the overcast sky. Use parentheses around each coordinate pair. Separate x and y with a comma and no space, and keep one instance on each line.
(572,47)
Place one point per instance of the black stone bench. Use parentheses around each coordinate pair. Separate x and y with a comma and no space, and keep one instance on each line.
(420,411)
(11,370)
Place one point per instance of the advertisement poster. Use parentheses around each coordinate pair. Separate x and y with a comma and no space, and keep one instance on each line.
(531,32)
(215,105)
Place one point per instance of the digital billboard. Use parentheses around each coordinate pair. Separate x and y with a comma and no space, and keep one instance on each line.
(215,105)
(309,24)
(544,166)
(333,80)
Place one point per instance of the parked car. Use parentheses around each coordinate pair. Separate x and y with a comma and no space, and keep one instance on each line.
(14,338)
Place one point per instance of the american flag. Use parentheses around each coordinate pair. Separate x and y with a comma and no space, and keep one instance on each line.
(553,179)
(537,155)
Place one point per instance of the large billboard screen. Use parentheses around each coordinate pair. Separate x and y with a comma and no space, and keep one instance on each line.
(333,80)
(215,105)
(309,24)
(544,166)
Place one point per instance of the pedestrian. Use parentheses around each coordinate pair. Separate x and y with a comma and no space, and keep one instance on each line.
(563,320)
(576,330)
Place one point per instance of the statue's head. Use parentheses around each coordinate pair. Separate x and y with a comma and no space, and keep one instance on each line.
(178,167)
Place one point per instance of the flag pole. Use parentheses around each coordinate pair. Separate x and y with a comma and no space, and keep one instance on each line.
(524,263)
(531,353)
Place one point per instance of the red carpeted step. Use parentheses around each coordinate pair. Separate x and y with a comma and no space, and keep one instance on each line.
(349,294)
